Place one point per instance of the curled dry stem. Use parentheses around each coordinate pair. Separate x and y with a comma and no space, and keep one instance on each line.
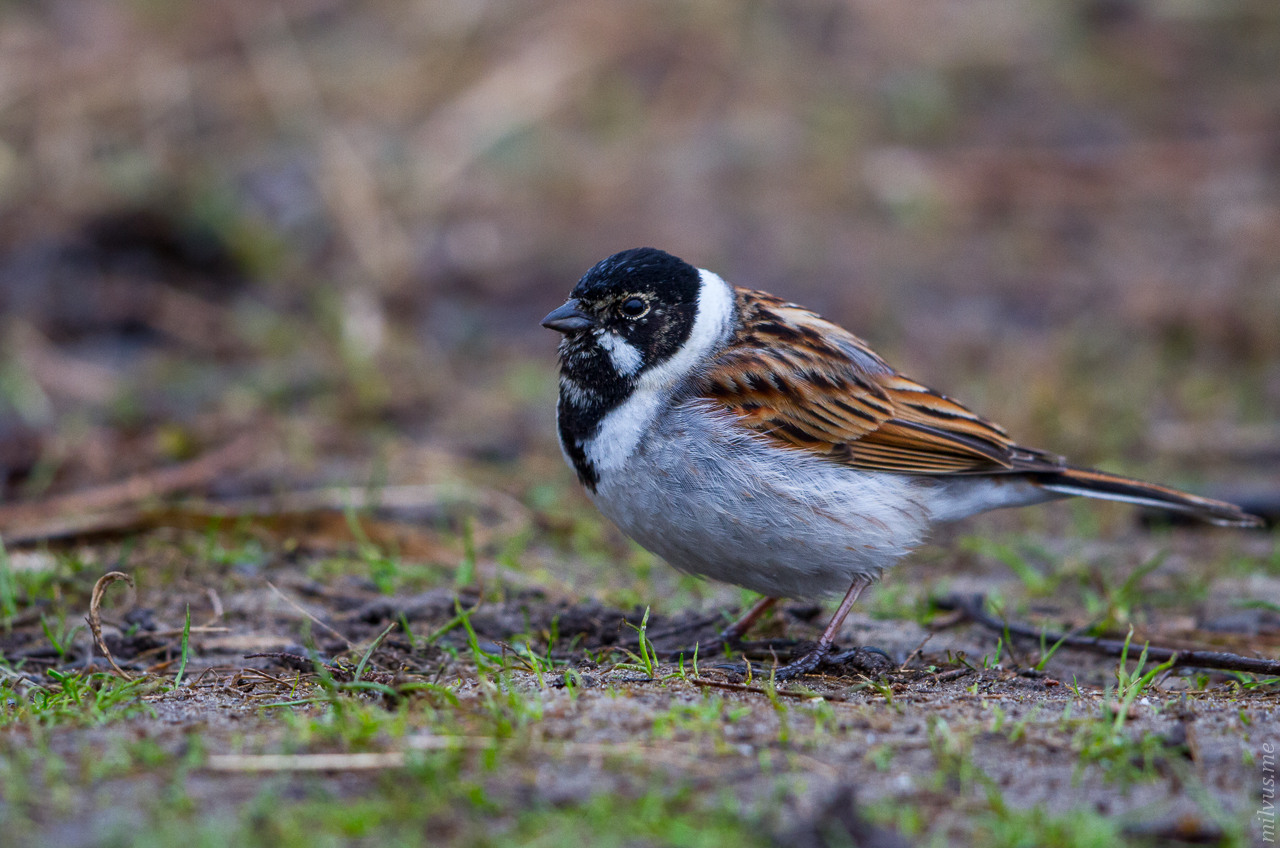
(95,614)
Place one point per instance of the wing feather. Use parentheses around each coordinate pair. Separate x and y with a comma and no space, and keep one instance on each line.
(807,383)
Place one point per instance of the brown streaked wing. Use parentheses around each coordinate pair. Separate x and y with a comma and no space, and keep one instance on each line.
(810,384)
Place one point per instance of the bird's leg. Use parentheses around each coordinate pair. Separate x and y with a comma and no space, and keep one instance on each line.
(808,661)
(734,632)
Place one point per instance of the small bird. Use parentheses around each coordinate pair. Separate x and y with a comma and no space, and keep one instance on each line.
(748,440)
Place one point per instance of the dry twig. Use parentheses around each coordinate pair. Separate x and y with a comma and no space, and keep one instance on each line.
(113,504)
(291,602)
(974,609)
(95,614)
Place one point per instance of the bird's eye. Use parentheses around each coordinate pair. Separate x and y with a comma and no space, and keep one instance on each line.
(634,307)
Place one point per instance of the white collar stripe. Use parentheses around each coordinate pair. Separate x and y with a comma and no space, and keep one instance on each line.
(710,326)
(621,429)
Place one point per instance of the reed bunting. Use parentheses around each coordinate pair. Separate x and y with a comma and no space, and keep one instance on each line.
(748,440)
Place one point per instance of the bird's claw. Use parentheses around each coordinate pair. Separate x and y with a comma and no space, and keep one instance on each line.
(803,664)
(865,658)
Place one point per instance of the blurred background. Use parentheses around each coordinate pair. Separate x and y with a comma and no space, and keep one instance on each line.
(340,222)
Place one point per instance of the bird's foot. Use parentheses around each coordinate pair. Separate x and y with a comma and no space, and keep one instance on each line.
(867,659)
(807,661)
(742,671)
(803,664)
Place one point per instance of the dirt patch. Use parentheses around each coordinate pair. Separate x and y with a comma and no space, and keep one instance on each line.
(542,704)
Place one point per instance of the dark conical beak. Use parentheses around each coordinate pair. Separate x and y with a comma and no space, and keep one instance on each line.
(568,318)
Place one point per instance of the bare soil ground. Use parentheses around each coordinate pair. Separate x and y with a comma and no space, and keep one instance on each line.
(497,713)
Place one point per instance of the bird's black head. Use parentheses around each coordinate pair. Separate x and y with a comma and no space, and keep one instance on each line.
(627,314)
(634,309)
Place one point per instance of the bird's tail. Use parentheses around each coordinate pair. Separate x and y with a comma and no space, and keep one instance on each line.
(1112,487)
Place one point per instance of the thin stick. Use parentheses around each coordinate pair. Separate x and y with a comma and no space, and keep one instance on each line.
(95,614)
(304,762)
(291,602)
(200,679)
(394,759)
(914,653)
(24,520)
(974,608)
(260,673)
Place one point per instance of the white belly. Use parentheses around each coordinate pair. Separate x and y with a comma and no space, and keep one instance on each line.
(729,505)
